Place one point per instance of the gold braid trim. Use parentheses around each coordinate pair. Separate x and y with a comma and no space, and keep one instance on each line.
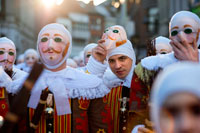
(145,75)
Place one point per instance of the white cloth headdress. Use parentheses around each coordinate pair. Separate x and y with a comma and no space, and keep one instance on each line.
(31,51)
(162,44)
(125,49)
(179,77)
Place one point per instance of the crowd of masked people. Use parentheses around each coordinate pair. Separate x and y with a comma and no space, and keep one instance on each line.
(103,90)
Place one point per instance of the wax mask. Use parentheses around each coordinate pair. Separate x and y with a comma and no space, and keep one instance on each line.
(7,55)
(114,36)
(162,45)
(88,52)
(186,25)
(53,46)
(30,59)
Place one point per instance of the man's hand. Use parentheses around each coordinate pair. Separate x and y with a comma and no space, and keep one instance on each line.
(100,52)
(184,50)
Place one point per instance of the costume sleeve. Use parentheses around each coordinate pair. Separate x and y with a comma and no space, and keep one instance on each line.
(99,116)
(95,67)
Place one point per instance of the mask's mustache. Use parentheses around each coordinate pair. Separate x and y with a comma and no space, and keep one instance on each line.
(49,49)
(5,61)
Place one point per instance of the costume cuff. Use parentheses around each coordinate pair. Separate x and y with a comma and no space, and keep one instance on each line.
(95,67)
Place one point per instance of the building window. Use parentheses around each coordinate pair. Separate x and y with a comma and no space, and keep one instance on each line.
(153,20)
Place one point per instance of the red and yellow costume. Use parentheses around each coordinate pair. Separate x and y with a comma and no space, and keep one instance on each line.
(87,116)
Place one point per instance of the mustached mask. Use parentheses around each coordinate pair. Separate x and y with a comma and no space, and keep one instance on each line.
(88,51)
(162,45)
(31,56)
(114,36)
(7,53)
(185,24)
(54,45)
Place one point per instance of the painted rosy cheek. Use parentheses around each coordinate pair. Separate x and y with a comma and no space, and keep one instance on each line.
(43,47)
(11,58)
(1,57)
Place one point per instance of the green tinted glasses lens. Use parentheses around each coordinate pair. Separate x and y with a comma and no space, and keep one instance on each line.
(58,39)
(11,53)
(1,52)
(115,31)
(174,33)
(44,39)
(188,31)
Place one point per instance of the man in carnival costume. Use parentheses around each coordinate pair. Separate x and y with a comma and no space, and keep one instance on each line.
(30,57)
(68,89)
(128,93)
(184,28)
(9,75)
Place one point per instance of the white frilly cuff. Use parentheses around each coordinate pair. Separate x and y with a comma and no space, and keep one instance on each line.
(95,67)
(111,80)
(158,61)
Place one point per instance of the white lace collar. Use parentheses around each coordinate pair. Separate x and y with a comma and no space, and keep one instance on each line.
(67,83)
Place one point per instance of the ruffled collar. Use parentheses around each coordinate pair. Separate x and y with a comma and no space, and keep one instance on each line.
(67,83)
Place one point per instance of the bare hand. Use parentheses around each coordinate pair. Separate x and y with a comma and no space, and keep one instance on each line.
(144,130)
(100,52)
(185,51)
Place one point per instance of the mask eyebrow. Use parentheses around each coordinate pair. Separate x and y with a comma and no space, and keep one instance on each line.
(2,48)
(57,35)
(46,34)
(11,49)
(187,25)
(176,27)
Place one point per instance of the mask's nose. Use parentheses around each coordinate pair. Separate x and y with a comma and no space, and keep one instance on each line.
(50,44)
(5,56)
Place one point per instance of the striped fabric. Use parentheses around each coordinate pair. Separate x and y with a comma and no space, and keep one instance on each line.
(61,124)
(113,101)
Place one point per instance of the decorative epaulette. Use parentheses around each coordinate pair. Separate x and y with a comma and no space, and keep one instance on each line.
(145,75)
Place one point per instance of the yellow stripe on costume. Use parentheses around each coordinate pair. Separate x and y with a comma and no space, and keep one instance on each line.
(62,124)
(113,102)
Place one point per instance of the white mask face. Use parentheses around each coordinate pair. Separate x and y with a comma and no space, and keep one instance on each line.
(162,45)
(114,36)
(53,46)
(7,55)
(30,59)
(183,26)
